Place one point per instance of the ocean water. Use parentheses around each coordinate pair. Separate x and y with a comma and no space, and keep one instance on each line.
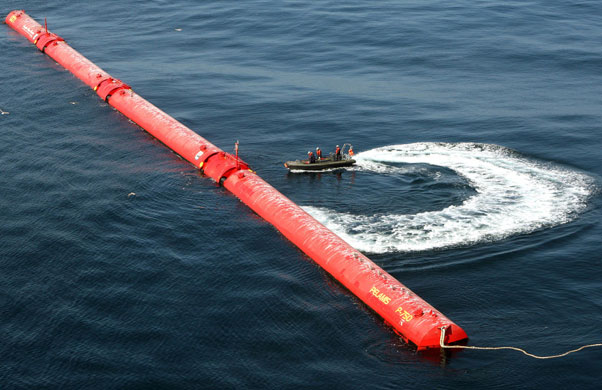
(477,127)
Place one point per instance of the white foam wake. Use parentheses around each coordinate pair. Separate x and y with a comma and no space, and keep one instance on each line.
(515,195)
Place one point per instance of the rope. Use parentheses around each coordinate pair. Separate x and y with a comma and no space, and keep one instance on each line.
(442,343)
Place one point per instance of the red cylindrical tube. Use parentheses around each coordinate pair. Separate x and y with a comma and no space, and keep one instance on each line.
(411,317)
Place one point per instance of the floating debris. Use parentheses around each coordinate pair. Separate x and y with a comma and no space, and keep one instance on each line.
(131,194)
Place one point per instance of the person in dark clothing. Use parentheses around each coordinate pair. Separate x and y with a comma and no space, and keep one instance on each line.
(311,158)
(337,153)
(318,154)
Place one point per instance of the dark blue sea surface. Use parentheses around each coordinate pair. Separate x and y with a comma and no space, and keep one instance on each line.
(478,132)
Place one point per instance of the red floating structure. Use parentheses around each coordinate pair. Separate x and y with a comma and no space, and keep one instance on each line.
(411,317)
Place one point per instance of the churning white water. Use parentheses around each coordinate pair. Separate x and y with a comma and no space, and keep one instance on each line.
(514,195)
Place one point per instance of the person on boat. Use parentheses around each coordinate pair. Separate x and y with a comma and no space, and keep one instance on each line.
(311,158)
(337,153)
(351,151)
(318,154)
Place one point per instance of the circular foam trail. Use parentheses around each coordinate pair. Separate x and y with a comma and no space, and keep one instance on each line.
(514,195)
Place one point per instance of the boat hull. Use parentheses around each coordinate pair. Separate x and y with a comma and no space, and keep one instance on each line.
(304,165)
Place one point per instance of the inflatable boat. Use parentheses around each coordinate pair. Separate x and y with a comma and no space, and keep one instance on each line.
(322,164)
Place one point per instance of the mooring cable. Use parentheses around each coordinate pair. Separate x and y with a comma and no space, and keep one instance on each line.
(442,344)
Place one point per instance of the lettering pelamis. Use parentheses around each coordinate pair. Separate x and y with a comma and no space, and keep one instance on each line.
(381,296)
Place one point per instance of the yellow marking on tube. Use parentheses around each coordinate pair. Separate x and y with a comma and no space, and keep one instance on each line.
(381,296)
(405,316)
